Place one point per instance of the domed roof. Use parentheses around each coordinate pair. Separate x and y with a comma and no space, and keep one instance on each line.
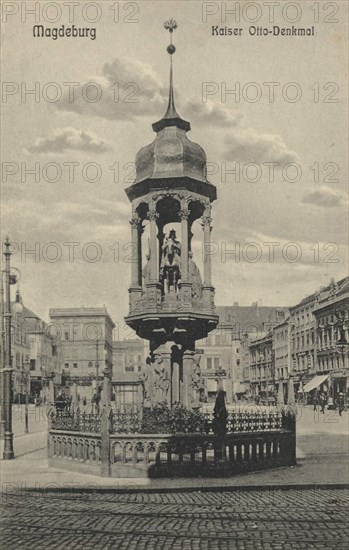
(171,155)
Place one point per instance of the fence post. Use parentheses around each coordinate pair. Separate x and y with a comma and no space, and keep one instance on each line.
(26,414)
(289,424)
(105,425)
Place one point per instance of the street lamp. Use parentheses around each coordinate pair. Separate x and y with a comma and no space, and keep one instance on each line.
(6,317)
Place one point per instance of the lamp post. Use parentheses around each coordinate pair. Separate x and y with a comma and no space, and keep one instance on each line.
(17,308)
(8,453)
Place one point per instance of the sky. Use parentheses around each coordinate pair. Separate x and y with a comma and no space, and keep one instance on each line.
(286,221)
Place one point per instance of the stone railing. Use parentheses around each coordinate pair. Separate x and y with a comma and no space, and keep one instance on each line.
(199,455)
(154,455)
(76,451)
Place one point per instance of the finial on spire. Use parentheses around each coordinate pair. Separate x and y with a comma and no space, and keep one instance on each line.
(171,25)
(171,117)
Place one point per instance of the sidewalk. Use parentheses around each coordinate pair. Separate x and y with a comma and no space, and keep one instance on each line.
(322,460)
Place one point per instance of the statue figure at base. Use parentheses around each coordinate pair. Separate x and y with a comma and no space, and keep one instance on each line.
(161,380)
(197,383)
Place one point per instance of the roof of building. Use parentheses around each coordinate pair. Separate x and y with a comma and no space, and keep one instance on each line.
(249,319)
(81,312)
(126,377)
(135,343)
(323,292)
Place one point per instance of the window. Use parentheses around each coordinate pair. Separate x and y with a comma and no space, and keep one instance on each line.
(75,365)
(32,364)
(66,336)
(216,362)
(238,362)
(129,368)
(209,363)
(66,365)
(237,350)
(218,340)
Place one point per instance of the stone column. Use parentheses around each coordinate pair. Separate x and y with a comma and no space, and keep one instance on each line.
(154,269)
(188,357)
(135,224)
(51,391)
(206,225)
(139,252)
(184,215)
(176,362)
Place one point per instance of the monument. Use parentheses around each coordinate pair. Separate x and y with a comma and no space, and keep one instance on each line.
(170,303)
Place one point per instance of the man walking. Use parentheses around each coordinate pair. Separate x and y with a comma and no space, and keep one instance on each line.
(340,403)
(315,402)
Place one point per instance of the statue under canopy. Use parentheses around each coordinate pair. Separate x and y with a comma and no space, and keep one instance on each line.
(170,266)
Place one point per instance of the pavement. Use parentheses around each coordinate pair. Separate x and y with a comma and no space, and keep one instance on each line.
(213,520)
(322,460)
(304,507)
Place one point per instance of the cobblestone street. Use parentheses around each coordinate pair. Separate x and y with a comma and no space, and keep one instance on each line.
(275,519)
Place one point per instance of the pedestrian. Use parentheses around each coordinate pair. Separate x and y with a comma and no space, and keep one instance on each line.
(315,402)
(340,402)
(322,403)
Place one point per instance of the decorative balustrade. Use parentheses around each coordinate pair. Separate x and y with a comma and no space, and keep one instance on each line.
(149,300)
(249,421)
(254,441)
(126,419)
(76,422)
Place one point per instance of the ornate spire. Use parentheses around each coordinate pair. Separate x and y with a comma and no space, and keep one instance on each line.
(171,117)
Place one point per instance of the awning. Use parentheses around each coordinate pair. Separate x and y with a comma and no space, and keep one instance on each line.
(315,382)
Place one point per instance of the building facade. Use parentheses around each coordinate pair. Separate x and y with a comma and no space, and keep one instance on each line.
(129,359)
(303,342)
(20,357)
(218,361)
(262,367)
(85,335)
(282,359)
(332,337)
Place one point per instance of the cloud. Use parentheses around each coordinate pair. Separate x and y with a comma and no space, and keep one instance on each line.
(326,198)
(210,114)
(247,145)
(130,89)
(69,139)
(125,89)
